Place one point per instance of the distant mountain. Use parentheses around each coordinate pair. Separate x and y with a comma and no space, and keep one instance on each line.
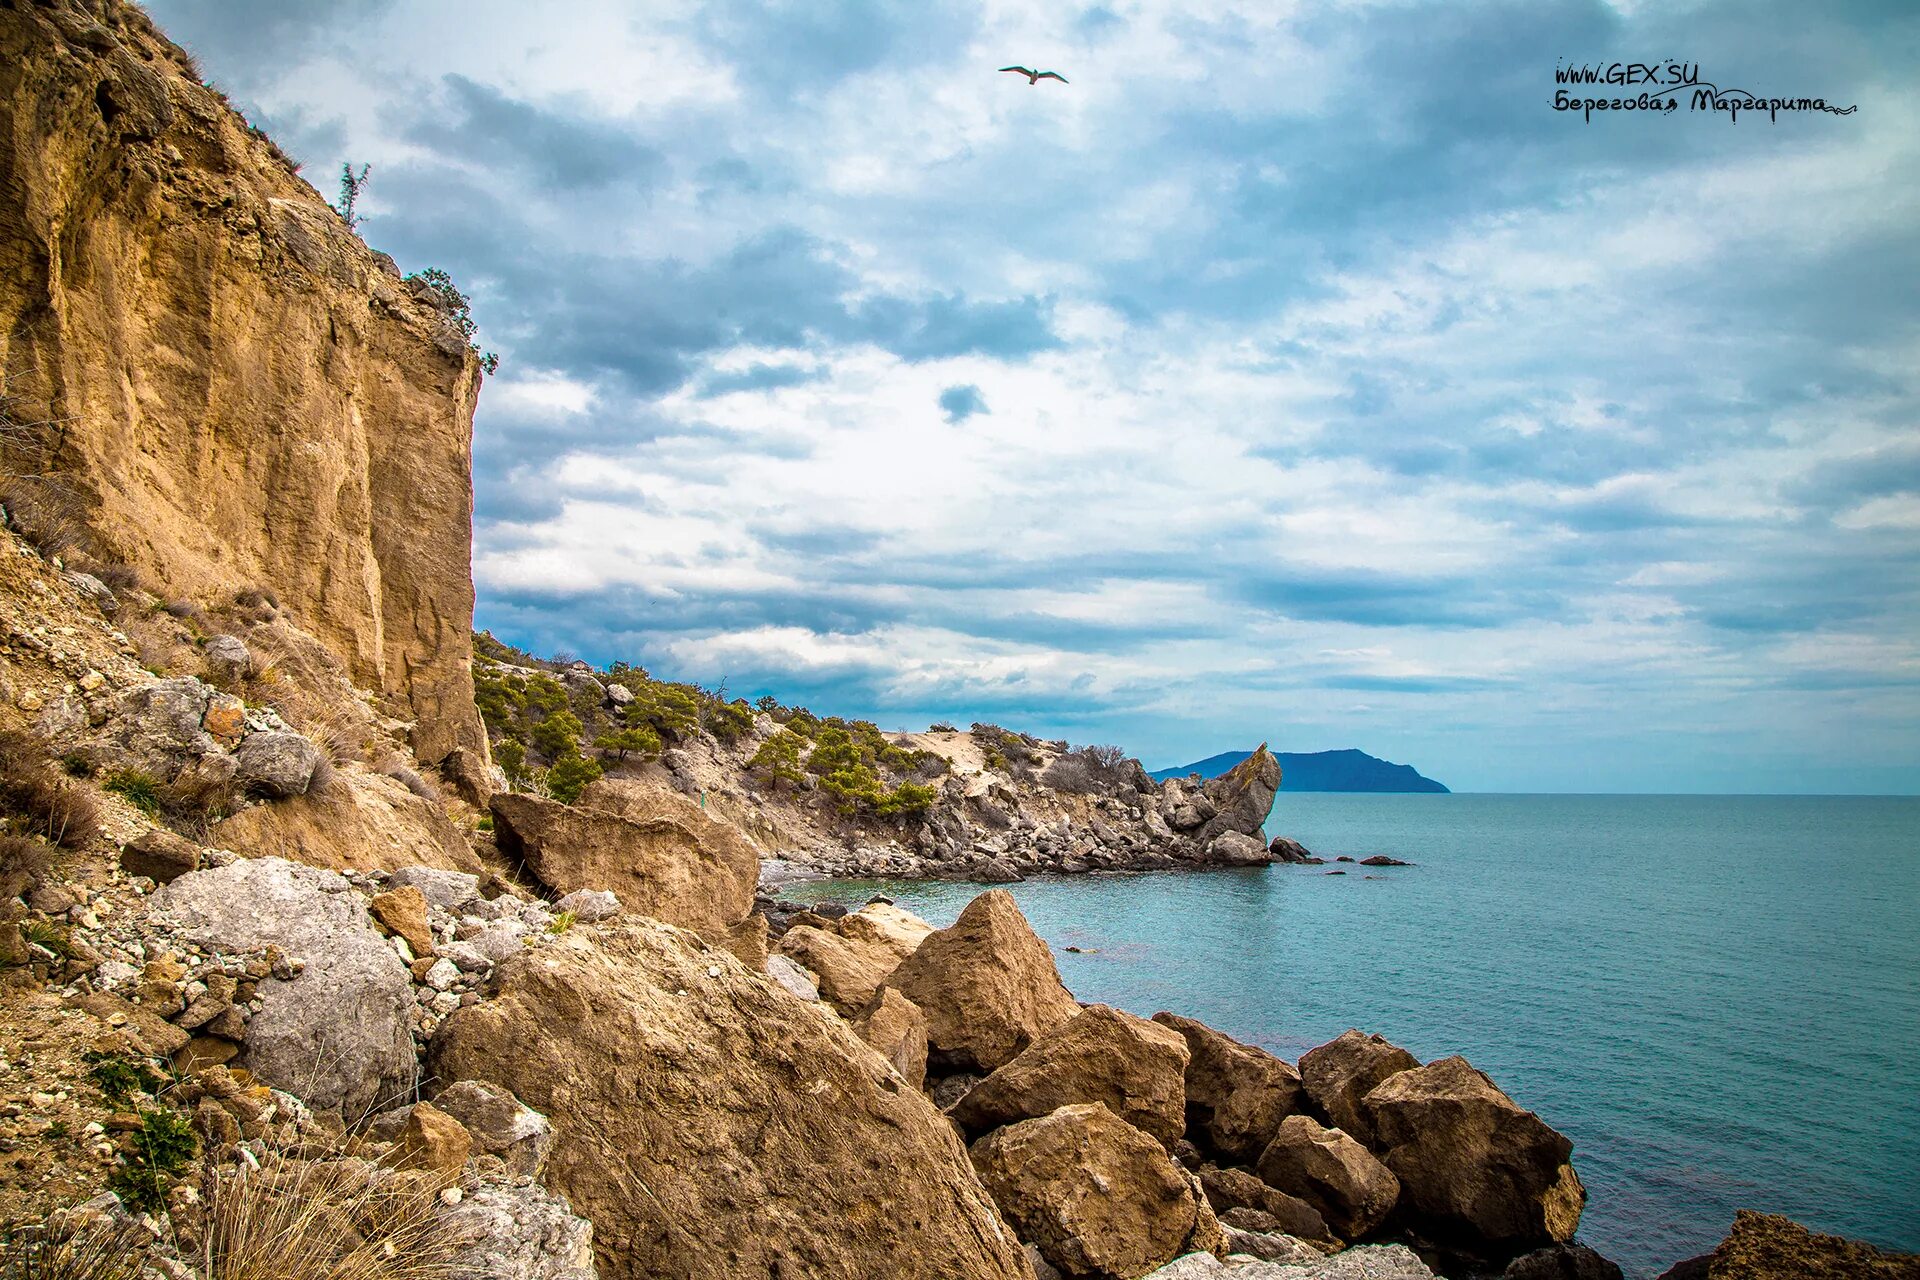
(1319,771)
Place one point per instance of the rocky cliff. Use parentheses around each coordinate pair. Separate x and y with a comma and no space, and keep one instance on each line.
(208,375)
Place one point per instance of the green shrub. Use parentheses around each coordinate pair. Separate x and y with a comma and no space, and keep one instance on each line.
(728,721)
(569,776)
(158,1153)
(670,710)
(557,735)
(779,758)
(137,787)
(511,756)
(118,1077)
(908,800)
(637,738)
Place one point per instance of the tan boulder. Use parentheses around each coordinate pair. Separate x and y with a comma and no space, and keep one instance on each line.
(1236,1190)
(848,971)
(1474,1165)
(685,870)
(987,984)
(1338,1074)
(1333,1173)
(1237,1095)
(1135,1067)
(1097,1196)
(897,1030)
(882,922)
(403,912)
(711,1126)
(431,1141)
(363,820)
(1766,1246)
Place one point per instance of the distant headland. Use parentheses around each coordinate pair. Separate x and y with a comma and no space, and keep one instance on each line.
(1319,771)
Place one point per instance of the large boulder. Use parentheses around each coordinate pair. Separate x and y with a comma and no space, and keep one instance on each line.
(848,971)
(362,820)
(1099,1197)
(987,984)
(338,1034)
(1333,1173)
(1341,1072)
(1366,1262)
(689,871)
(518,1230)
(1137,1068)
(710,1125)
(1563,1262)
(276,764)
(1241,798)
(1237,1095)
(884,923)
(1228,1190)
(1766,1246)
(1474,1166)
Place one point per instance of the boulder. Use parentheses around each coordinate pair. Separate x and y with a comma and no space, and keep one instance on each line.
(1231,1190)
(404,913)
(589,906)
(339,1034)
(362,820)
(1097,1196)
(1474,1166)
(431,1141)
(1135,1067)
(227,659)
(897,1030)
(1237,1095)
(1382,860)
(987,984)
(1241,798)
(1365,1262)
(848,971)
(1341,1072)
(1766,1246)
(1271,1246)
(499,1124)
(1237,849)
(157,727)
(793,978)
(159,855)
(1562,1262)
(685,870)
(1284,849)
(518,1231)
(710,1126)
(443,889)
(1333,1173)
(277,765)
(884,923)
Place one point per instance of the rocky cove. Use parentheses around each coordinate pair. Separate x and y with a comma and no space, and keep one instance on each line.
(304,971)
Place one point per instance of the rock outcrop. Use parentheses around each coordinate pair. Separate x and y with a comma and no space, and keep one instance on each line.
(1474,1166)
(248,394)
(987,984)
(1330,1171)
(1241,798)
(1237,1095)
(1098,1197)
(1338,1074)
(710,1125)
(364,819)
(337,1035)
(1134,1067)
(1766,1246)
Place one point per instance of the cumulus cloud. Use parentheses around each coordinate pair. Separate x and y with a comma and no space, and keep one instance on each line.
(1345,393)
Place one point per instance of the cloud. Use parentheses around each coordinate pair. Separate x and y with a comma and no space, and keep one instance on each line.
(961,403)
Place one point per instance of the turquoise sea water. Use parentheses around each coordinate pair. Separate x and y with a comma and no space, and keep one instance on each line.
(1717,998)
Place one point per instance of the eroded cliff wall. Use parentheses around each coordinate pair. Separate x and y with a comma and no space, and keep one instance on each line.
(245,395)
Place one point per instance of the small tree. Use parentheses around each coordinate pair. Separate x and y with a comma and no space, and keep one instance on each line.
(778,759)
(635,738)
(512,759)
(351,185)
(570,775)
(558,734)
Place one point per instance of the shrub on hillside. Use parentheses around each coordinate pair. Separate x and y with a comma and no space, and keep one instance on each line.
(569,776)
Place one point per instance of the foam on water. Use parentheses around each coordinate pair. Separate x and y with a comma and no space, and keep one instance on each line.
(1716,998)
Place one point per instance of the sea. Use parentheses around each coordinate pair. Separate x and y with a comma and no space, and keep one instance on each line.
(1717,998)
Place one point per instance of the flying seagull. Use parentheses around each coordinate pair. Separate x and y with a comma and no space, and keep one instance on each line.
(1035,77)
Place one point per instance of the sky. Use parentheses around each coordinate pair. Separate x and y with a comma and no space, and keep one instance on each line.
(1293,373)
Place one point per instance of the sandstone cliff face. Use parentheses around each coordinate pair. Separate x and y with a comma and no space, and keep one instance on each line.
(249,395)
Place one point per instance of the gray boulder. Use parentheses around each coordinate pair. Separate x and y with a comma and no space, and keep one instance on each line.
(1241,798)
(158,725)
(520,1231)
(1362,1262)
(1237,849)
(95,590)
(443,889)
(500,1124)
(338,1034)
(228,659)
(589,906)
(277,765)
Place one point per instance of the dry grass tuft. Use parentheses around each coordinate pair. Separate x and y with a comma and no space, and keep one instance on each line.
(336,1219)
(44,801)
(62,1249)
(23,861)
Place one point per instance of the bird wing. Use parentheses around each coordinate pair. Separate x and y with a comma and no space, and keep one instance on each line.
(1051,75)
(1022,70)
